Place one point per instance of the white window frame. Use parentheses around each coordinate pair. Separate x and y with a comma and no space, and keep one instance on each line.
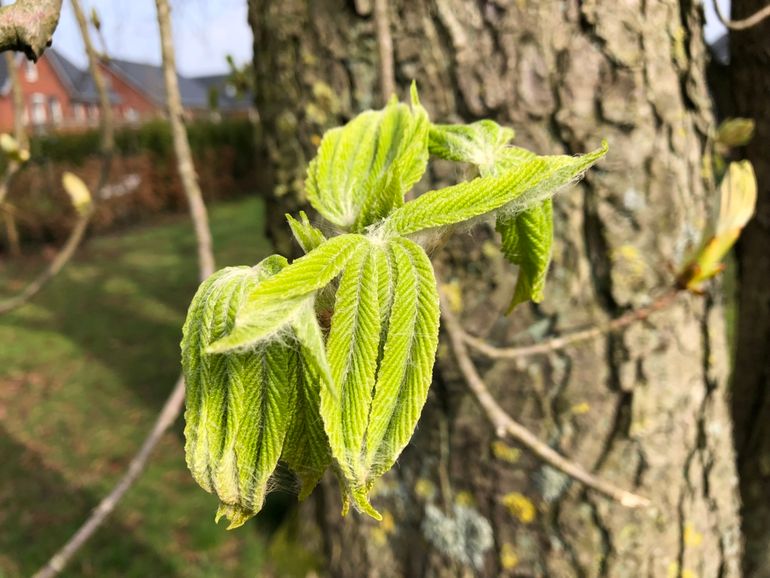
(38,109)
(30,71)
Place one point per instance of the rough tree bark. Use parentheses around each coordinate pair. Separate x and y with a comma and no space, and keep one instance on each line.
(750,70)
(645,409)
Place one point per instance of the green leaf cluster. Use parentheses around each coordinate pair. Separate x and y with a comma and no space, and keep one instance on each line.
(325,362)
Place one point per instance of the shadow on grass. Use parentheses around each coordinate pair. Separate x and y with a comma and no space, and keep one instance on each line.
(123,300)
(39,510)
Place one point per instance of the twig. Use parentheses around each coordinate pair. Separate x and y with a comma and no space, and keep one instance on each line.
(165,420)
(22,141)
(173,405)
(61,259)
(385,48)
(28,25)
(107,149)
(185,164)
(505,426)
(571,338)
(744,23)
(108,130)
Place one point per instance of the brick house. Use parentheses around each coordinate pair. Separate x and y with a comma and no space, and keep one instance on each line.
(60,96)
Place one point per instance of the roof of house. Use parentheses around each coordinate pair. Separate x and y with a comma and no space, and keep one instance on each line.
(78,83)
(148,78)
(228,98)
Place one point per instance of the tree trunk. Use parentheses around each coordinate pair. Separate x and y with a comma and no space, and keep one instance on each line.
(750,70)
(645,409)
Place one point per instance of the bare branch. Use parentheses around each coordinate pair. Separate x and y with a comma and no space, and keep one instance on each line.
(61,259)
(18,124)
(505,426)
(745,23)
(165,420)
(184,160)
(108,130)
(28,25)
(173,405)
(385,48)
(107,151)
(574,337)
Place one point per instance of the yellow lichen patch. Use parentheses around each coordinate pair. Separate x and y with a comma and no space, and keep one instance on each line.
(425,488)
(580,408)
(490,250)
(508,557)
(502,451)
(453,295)
(691,536)
(630,262)
(520,506)
(673,572)
(464,499)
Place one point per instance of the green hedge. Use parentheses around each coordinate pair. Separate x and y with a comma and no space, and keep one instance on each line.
(153,137)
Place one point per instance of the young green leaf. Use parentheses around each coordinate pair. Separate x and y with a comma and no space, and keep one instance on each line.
(480,143)
(364,168)
(238,405)
(530,182)
(352,350)
(406,369)
(527,238)
(306,449)
(308,236)
(271,307)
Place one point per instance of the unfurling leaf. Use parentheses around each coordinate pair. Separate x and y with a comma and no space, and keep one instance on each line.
(480,143)
(530,182)
(272,306)
(328,360)
(238,405)
(526,241)
(526,236)
(737,201)
(363,169)
(352,350)
(11,149)
(306,449)
(406,368)
(77,191)
(735,132)
(308,236)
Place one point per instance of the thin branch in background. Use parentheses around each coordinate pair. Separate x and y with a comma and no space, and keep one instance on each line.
(173,405)
(165,420)
(506,427)
(385,49)
(745,23)
(107,150)
(28,25)
(61,259)
(562,341)
(184,159)
(14,165)
(105,106)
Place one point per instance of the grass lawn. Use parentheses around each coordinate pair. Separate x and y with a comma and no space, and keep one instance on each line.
(84,369)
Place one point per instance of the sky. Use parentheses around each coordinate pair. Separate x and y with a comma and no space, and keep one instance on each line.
(205,32)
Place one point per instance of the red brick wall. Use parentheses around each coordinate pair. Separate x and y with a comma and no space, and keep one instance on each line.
(47,84)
